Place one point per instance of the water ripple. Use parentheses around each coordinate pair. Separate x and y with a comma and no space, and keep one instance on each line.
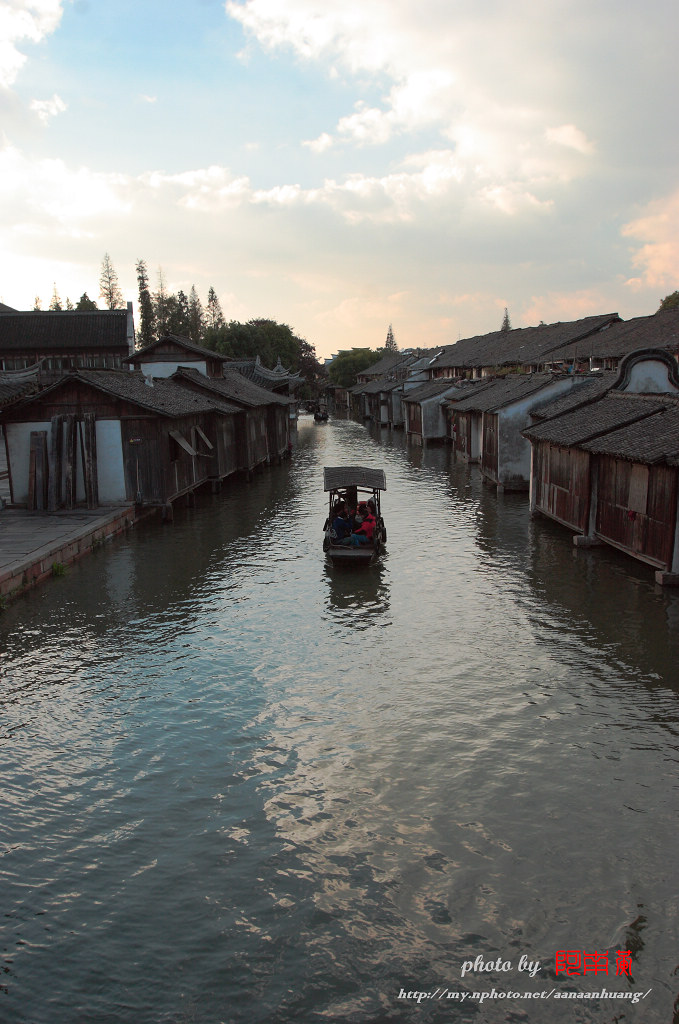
(240,785)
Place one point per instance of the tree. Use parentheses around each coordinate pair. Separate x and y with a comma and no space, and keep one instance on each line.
(85,303)
(506,325)
(390,344)
(196,317)
(270,341)
(37,306)
(264,338)
(214,318)
(147,318)
(69,304)
(108,282)
(345,366)
(161,305)
(177,315)
(55,304)
(307,363)
(670,302)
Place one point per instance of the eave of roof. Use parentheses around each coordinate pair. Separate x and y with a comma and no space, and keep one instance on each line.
(234,387)
(575,428)
(69,330)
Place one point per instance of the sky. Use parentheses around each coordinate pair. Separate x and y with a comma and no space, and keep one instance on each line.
(340,168)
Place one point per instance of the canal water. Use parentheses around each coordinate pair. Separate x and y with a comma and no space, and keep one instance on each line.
(238,785)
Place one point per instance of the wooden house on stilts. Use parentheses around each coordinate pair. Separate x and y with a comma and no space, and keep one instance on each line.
(609,468)
(99,437)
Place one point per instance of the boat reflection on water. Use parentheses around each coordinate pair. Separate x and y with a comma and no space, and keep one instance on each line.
(358,598)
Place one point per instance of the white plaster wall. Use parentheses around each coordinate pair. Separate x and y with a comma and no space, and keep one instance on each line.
(19,449)
(167,368)
(649,377)
(433,415)
(110,465)
(514,453)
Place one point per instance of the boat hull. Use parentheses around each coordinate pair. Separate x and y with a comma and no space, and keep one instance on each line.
(348,555)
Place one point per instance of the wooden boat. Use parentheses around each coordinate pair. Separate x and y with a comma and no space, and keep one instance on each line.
(320,416)
(353,485)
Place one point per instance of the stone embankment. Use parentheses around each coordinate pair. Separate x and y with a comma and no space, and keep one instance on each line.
(37,545)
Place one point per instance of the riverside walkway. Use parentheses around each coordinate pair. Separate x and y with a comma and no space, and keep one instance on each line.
(37,545)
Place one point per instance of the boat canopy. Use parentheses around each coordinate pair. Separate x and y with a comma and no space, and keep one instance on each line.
(338,477)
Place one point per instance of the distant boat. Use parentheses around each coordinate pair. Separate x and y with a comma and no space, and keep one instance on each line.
(320,417)
(355,486)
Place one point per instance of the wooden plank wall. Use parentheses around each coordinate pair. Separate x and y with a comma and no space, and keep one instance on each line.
(637,507)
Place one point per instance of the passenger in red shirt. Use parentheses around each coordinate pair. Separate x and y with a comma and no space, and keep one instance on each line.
(366,530)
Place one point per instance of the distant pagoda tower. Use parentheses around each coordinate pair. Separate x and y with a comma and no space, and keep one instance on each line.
(390,344)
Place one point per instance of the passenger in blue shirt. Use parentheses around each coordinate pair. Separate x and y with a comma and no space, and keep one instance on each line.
(341,523)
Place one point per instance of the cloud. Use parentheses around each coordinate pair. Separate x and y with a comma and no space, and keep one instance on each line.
(207,189)
(420,100)
(561,307)
(437,75)
(321,144)
(423,163)
(512,201)
(658,258)
(48,108)
(360,33)
(367,125)
(571,137)
(47,197)
(23,21)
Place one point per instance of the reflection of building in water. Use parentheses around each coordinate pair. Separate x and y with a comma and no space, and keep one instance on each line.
(596,597)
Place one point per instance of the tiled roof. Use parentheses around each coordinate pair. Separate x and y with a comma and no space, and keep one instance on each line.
(525,345)
(386,363)
(616,409)
(430,389)
(468,389)
(13,387)
(233,387)
(255,370)
(62,332)
(653,439)
(181,342)
(166,396)
(373,387)
(619,339)
(502,392)
(587,388)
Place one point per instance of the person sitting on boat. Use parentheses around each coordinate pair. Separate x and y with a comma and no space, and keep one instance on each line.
(366,530)
(341,524)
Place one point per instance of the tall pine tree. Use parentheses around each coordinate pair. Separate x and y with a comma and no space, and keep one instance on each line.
(196,317)
(55,304)
(390,344)
(214,318)
(161,305)
(108,282)
(147,319)
(177,317)
(506,325)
